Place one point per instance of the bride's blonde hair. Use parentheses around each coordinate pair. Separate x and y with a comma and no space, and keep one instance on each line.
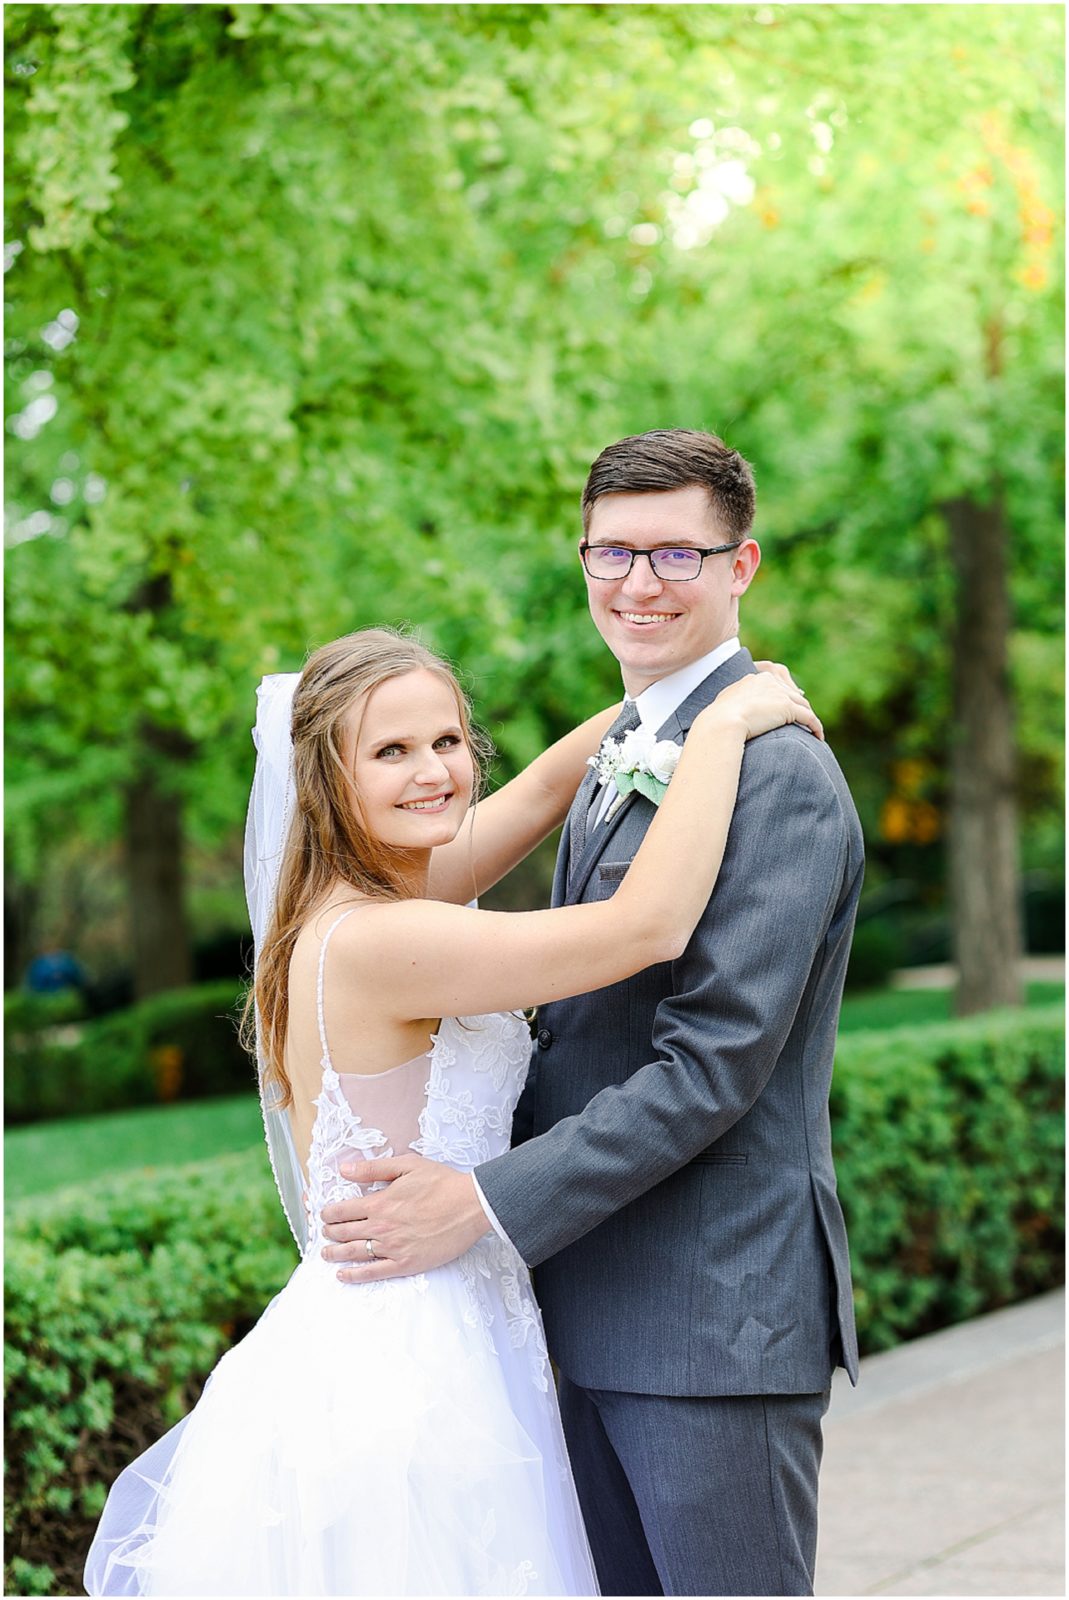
(328,840)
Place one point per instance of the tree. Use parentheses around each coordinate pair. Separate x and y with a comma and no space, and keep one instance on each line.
(274,403)
(318,314)
(890,359)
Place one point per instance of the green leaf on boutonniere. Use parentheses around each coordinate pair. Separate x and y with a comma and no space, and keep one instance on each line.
(625,781)
(650,787)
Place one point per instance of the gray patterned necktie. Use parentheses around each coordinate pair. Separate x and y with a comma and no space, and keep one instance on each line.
(628,720)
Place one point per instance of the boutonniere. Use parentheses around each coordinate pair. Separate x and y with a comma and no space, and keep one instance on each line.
(637,761)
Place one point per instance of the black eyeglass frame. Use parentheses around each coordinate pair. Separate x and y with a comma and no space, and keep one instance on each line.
(715,550)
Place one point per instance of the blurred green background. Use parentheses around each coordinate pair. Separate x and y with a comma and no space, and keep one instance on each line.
(316,317)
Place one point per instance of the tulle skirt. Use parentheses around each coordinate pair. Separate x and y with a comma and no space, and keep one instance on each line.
(393,1439)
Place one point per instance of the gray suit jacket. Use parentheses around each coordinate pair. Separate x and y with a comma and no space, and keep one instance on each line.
(674,1180)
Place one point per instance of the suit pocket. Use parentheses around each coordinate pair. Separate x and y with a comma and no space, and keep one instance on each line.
(714,1158)
(605,880)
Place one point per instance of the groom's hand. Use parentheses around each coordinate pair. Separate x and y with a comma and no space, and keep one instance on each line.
(427,1215)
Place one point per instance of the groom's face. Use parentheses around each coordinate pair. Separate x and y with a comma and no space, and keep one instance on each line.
(654,626)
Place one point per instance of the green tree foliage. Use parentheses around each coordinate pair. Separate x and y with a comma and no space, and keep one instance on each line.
(318,314)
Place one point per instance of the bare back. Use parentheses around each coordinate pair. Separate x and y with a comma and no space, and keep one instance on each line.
(386,1056)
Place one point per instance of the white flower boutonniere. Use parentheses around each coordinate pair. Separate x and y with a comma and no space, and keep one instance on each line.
(637,761)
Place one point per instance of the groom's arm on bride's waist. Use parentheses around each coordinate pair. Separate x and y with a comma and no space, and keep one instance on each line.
(792,856)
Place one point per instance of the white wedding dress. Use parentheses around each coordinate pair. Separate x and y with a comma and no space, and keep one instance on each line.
(391,1438)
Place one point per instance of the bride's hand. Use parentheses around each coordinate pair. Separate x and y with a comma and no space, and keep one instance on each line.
(780,671)
(762,702)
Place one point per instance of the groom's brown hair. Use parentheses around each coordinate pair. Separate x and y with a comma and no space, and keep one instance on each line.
(676,458)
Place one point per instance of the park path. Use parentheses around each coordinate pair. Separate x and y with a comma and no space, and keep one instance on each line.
(944,1470)
(1034,969)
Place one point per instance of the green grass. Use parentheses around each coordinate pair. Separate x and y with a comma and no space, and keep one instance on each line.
(900,1008)
(51,1155)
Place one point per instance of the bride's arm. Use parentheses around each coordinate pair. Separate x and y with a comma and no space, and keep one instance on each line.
(421,958)
(504,828)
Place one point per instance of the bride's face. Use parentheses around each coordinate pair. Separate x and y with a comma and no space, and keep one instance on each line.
(411,765)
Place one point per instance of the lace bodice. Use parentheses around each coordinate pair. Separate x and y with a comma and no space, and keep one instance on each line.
(461,1113)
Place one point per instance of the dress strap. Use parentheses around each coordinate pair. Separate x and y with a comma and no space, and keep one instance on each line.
(326,1061)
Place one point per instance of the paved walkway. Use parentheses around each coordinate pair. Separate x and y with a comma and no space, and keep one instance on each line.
(1034,969)
(944,1470)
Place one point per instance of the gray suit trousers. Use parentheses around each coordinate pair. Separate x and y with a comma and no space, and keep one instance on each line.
(711,1495)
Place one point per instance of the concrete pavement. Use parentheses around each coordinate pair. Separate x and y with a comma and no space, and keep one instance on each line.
(944,1471)
(1034,969)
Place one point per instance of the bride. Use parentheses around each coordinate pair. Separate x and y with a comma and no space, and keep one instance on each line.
(402,1437)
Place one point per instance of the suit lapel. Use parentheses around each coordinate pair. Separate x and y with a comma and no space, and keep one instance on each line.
(584,853)
(598,837)
(576,825)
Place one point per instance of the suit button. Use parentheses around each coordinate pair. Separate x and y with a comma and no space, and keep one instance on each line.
(545,1038)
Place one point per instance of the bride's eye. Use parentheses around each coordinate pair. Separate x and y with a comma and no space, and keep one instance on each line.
(389,750)
(448,740)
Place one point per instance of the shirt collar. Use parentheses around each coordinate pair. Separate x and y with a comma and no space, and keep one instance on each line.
(657,703)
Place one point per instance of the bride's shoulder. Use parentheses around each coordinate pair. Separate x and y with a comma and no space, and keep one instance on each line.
(330,910)
(327,919)
(356,925)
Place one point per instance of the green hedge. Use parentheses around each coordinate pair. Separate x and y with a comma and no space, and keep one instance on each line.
(26,1012)
(121,1296)
(119,1299)
(949,1146)
(177,1045)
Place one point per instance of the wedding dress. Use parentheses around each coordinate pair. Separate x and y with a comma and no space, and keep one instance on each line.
(391,1438)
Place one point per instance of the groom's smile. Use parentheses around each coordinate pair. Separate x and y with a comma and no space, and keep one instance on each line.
(655,625)
(649,619)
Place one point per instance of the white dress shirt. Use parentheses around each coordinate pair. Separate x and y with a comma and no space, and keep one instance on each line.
(655,705)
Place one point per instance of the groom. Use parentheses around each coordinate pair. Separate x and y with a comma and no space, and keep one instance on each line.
(672,1177)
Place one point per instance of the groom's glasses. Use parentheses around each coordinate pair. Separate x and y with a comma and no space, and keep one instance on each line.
(669,564)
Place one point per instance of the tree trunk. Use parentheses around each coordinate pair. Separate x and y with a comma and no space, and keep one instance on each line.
(21,900)
(984,874)
(163,954)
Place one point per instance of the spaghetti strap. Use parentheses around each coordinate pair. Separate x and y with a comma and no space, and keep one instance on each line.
(326,1062)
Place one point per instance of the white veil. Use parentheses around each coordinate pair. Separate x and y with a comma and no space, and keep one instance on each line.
(266,828)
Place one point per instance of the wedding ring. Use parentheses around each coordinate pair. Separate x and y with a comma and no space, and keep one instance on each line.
(369,1246)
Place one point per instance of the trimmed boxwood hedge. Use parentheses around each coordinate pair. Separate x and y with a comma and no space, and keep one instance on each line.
(121,1296)
(178,1045)
(949,1148)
